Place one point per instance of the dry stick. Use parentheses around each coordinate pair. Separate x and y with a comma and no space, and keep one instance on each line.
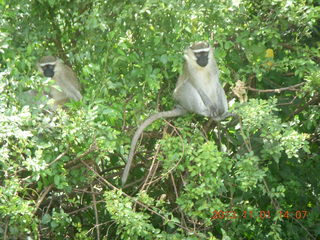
(151,171)
(5,234)
(109,229)
(174,186)
(315,99)
(58,158)
(84,191)
(44,194)
(153,168)
(92,148)
(288,103)
(277,90)
(273,201)
(84,208)
(48,206)
(171,169)
(101,224)
(246,139)
(95,212)
(304,228)
(131,198)
(133,182)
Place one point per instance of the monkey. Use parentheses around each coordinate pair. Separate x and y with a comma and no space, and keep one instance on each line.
(64,77)
(198,90)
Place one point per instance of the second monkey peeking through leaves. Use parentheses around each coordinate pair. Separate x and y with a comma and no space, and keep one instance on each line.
(63,76)
(198,90)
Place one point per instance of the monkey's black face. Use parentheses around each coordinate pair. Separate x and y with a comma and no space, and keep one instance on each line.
(48,70)
(202,58)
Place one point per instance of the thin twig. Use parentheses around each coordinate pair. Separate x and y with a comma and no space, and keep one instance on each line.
(58,158)
(43,195)
(304,228)
(314,100)
(93,147)
(273,201)
(182,153)
(246,139)
(277,90)
(5,234)
(150,209)
(101,224)
(288,103)
(174,186)
(95,213)
(152,170)
(84,208)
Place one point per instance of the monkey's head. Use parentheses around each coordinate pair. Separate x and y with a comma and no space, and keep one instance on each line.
(199,53)
(47,65)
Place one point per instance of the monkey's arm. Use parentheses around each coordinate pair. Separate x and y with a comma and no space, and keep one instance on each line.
(212,97)
(71,91)
(189,98)
(172,113)
(219,110)
(208,102)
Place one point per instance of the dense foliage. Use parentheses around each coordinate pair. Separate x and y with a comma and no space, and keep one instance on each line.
(256,177)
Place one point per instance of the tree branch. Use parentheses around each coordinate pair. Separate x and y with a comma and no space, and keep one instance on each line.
(277,90)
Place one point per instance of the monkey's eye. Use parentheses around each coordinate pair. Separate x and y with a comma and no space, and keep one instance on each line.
(201,54)
(48,67)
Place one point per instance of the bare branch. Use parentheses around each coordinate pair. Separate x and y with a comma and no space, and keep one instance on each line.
(277,90)
(43,195)
(95,213)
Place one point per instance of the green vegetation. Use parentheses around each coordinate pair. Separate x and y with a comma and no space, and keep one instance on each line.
(60,171)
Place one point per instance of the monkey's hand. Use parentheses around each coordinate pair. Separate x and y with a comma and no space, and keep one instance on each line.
(71,91)
(215,111)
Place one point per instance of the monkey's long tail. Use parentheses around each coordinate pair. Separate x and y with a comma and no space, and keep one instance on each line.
(168,114)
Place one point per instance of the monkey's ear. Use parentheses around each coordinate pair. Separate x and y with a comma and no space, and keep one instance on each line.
(39,68)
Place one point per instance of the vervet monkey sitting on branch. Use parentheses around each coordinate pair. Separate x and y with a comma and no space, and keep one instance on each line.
(64,78)
(198,90)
